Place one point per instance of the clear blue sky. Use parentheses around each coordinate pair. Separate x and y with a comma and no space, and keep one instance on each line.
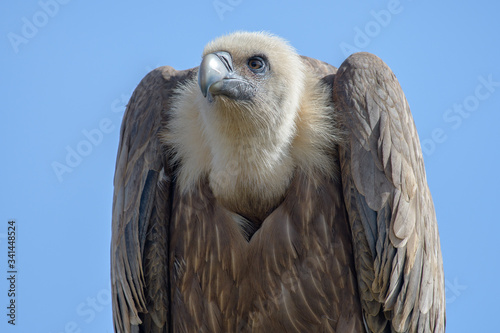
(67,69)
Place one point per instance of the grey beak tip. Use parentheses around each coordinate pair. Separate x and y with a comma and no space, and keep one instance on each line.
(211,70)
(202,85)
(202,81)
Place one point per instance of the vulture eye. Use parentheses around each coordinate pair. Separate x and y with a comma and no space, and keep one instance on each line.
(256,64)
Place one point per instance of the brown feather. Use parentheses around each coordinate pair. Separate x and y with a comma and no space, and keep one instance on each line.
(397,251)
(296,270)
(139,207)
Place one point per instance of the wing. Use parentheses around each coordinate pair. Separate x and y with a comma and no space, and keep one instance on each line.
(318,67)
(141,208)
(391,213)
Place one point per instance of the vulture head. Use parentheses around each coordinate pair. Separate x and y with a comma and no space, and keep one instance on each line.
(251,80)
(257,116)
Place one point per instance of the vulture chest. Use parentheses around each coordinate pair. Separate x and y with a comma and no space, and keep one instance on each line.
(295,274)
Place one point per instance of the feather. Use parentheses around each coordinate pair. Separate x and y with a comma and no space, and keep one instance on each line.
(392,218)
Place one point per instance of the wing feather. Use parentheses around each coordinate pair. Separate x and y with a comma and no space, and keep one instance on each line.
(141,208)
(394,229)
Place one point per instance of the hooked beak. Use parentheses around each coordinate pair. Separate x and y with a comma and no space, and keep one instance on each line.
(216,76)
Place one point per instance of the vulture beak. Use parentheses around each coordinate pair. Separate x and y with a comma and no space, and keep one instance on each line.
(216,76)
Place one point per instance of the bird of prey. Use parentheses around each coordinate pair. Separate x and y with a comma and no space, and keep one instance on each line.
(264,191)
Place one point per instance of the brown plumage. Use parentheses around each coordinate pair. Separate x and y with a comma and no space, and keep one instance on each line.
(279,196)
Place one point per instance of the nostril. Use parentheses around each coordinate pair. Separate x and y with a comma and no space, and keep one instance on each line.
(225,58)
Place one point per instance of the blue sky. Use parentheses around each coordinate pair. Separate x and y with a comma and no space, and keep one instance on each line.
(67,69)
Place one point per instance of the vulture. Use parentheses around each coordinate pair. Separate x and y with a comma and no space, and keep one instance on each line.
(265,191)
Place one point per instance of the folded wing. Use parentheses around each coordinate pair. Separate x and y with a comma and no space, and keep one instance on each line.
(141,208)
(391,213)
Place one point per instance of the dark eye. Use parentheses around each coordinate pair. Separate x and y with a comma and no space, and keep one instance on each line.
(256,64)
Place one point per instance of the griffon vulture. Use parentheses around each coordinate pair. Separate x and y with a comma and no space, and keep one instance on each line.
(268,192)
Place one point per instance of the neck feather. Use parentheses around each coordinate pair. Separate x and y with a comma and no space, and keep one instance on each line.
(250,160)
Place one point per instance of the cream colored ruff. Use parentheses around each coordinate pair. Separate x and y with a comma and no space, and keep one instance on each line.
(250,149)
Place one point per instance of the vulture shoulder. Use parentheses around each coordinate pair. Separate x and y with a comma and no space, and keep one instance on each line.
(390,210)
(142,190)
